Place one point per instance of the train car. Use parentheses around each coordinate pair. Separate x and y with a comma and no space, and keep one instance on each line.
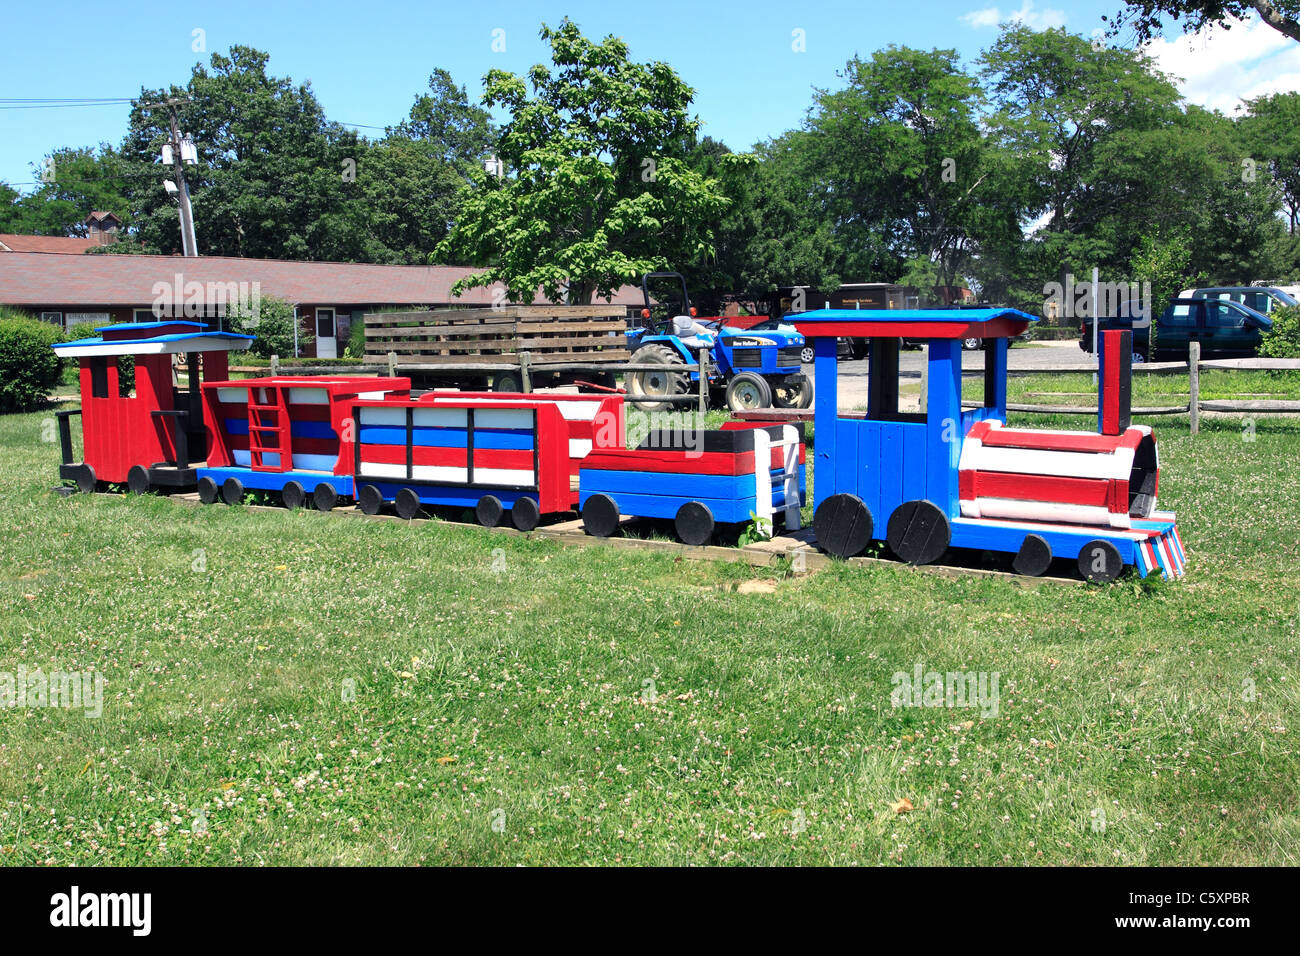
(958,477)
(493,452)
(291,435)
(698,480)
(155,437)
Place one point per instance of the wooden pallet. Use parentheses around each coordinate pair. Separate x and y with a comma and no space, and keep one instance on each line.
(550,334)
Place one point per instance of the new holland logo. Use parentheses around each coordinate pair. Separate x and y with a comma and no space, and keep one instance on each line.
(75,909)
(748,343)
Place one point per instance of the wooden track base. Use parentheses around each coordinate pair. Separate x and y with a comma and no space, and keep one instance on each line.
(799,546)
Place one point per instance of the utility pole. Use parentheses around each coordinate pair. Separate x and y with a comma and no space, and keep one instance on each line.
(181,151)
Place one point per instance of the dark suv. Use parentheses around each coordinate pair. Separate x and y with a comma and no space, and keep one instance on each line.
(1223,327)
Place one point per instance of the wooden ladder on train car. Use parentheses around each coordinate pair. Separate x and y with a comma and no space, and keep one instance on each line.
(271,418)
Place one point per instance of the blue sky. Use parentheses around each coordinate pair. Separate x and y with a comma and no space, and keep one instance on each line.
(367,60)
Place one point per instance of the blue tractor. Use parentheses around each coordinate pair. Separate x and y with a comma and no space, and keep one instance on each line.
(749,368)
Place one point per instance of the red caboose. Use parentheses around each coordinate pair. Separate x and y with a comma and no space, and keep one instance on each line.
(152,438)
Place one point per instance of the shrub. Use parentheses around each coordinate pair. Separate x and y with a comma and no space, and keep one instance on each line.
(272,322)
(29,368)
(356,348)
(1283,340)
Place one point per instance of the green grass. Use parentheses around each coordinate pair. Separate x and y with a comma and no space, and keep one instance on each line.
(1149,389)
(604,706)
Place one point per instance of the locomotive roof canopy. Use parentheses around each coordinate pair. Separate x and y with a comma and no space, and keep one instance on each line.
(912,323)
(153,338)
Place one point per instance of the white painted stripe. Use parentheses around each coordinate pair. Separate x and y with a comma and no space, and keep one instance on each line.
(763,476)
(579,447)
(440,473)
(382,416)
(308,396)
(441,417)
(271,459)
(521,418)
(373,396)
(235,396)
(790,438)
(1066,464)
(371,469)
(578,411)
(1041,511)
(503,476)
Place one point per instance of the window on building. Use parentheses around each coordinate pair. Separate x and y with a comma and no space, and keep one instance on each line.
(55,318)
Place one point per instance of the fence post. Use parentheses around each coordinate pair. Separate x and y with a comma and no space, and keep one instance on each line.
(525,371)
(704,381)
(275,364)
(1194,385)
(392,365)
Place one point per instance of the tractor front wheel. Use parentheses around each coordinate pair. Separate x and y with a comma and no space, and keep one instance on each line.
(748,391)
(648,388)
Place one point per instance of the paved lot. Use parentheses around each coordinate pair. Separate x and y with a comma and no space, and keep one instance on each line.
(853,374)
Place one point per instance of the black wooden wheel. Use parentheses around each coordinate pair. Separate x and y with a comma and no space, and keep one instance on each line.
(488,511)
(1034,556)
(137,480)
(600,516)
(371,500)
(293,494)
(232,491)
(406,504)
(694,523)
(843,525)
(1099,561)
(525,514)
(324,496)
(208,490)
(918,532)
(85,479)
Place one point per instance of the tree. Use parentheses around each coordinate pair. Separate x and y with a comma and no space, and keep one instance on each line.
(904,160)
(597,188)
(447,125)
(1146,17)
(272,175)
(1272,131)
(75,181)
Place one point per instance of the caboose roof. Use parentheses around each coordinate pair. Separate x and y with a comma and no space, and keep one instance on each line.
(992,323)
(167,344)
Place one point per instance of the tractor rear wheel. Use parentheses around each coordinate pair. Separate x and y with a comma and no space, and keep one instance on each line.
(748,391)
(647,388)
(795,392)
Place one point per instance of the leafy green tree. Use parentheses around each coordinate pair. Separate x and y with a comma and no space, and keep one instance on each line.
(447,124)
(272,321)
(1146,17)
(904,159)
(272,173)
(1272,131)
(73,183)
(597,188)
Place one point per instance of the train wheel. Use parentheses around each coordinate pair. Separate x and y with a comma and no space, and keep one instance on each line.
(232,491)
(324,496)
(85,479)
(292,495)
(1034,556)
(137,480)
(371,500)
(918,532)
(1099,561)
(600,516)
(525,514)
(208,490)
(843,525)
(694,523)
(406,504)
(489,511)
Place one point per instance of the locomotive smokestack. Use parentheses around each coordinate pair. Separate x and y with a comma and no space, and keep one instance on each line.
(1114,381)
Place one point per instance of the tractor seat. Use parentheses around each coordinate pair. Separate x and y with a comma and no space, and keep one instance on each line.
(688,330)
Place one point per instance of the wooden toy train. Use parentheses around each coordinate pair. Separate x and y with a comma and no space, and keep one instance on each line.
(918,482)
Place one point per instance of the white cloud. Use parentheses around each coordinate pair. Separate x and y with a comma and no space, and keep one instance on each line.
(1217,68)
(1031,17)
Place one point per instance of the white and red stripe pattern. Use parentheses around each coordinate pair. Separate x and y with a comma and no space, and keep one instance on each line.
(1061,476)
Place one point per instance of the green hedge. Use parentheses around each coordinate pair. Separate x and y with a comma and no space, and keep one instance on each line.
(1283,340)
(29,368)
